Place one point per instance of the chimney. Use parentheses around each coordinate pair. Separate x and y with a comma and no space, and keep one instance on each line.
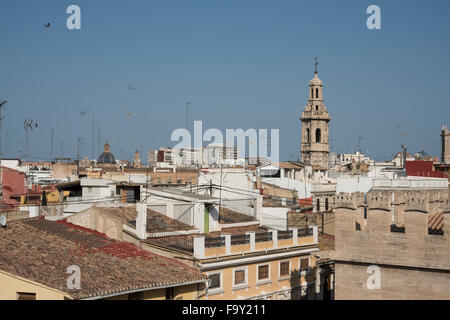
(141,220)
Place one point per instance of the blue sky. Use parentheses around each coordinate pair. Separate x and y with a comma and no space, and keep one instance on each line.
(242,63)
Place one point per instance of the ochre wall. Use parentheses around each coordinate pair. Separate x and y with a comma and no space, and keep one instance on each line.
(10,285)
(254,288)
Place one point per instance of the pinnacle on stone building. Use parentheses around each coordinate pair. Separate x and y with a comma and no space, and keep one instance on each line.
(315,121)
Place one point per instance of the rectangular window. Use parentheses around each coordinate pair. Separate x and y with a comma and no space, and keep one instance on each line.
(169,294)
(304,265)
(285,268)
(26,296)
(263,272)
(239,277)
(214,281)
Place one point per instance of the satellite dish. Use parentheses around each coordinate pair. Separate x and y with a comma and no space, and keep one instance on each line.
(2,221)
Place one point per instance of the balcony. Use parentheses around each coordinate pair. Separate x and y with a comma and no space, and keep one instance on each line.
(230,244)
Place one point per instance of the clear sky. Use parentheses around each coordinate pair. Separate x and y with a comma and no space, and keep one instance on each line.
(242,64)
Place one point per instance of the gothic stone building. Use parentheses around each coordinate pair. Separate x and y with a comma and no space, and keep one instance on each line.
(395,245)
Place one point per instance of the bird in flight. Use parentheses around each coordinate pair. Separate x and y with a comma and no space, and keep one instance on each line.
(47,25)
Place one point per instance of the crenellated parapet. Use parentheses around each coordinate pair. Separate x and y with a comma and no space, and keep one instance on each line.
(380,200)
(417,201)
(349,201)
(399,198)
(399,228)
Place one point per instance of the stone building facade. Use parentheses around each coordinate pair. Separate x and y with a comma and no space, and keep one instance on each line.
(445,145)
(393,245)
(315,121)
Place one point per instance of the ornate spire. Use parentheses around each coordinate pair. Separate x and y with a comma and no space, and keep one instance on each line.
(316,63)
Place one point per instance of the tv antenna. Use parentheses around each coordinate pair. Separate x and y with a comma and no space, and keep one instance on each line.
(1,156)
(187,114)
(129,115)
(29,125)
(128,87)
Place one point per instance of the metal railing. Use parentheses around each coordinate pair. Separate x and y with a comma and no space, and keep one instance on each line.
(263,236)
(305,232)
(214,242)
(240,239)
(259,237)
(285,234)
(184,244)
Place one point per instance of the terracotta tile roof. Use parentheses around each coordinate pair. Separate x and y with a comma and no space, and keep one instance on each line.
(42,250)
(231,216)
(126,213)
(156,222)
(290,165)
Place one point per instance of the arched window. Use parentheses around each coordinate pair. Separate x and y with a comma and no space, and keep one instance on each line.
(312,93)
(317,93)
(308,135)
(317,108)
(318,205)
(318,133)
(326,204)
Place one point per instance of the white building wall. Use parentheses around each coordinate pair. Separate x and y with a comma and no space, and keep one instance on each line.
(276,218)
(303,188)
(352,185)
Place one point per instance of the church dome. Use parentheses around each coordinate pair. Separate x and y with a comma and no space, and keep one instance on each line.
(315,81)
(106,157)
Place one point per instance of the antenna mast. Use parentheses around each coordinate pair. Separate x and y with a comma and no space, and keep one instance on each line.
(1,156)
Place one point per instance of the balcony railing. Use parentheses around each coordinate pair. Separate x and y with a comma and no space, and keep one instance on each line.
(240,239)
(305,232)
(263,236)
(215,242)
(183,244)
(285,235)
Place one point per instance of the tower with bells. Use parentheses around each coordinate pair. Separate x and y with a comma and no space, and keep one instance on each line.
(315,121)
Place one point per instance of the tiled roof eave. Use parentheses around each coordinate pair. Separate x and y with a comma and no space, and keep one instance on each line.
(132,289)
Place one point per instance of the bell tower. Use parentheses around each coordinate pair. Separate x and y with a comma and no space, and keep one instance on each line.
(315,121)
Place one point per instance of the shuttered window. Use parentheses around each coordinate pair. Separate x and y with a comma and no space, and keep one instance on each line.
(304,265)
(284,269)
(239,277)
(263,272)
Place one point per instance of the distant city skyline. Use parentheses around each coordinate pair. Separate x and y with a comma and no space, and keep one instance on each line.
(242,64)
